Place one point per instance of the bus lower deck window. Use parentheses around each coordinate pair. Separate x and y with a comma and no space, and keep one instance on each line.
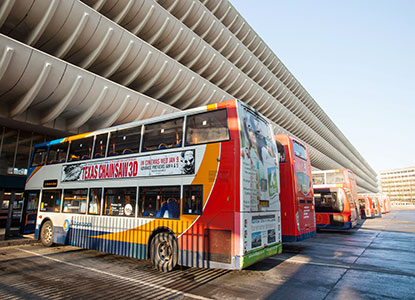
(51,200)
(74,201)
(94,207)
(160,202)
(192,199)
(120,201)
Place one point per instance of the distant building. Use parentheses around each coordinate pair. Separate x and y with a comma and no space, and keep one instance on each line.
(399,184)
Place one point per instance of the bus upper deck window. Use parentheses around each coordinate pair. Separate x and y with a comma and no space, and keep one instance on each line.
(39,156)
(100,145)
(57,153)
(207,127)
(125,141)
(80,149)
(163,135)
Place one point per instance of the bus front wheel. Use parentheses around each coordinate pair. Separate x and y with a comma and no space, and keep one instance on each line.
(164,252)
(46,234)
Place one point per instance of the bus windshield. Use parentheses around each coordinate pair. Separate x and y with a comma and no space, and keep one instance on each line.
(299,151)
(329,200)
(304,182)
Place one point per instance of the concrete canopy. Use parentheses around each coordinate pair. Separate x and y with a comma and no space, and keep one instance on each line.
(77,66)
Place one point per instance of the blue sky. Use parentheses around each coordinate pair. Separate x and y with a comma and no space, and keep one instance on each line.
(357,60)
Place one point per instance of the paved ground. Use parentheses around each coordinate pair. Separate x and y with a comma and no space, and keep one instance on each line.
(375,261)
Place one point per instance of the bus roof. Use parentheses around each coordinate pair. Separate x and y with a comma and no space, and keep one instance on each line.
(154,120)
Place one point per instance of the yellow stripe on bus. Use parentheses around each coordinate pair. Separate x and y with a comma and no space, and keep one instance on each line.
(211,107)
(141,234)
(77,137)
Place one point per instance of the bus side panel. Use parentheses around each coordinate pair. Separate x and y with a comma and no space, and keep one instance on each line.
(261,237)
(306,222)
(288,204)
(211,240)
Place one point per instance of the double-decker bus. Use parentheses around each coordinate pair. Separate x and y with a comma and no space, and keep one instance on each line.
(335,196)
(384,198)
(367,209)
(334,207)
(377,205)
(196,188)
(296,196)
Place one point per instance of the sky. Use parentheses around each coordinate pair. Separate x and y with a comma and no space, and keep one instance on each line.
(356,58)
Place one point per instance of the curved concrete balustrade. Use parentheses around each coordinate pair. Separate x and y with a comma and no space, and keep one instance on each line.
(39,89)
(152,22)
(109,50)
(177,52)
(230,17)
(204,29)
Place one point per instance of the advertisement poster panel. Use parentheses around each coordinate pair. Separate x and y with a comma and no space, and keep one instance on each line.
(259,167)
(172,163)
(261,236)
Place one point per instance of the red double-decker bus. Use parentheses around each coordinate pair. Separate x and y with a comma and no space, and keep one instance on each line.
(384,198)
(296,195)
(335,196)
(367,209)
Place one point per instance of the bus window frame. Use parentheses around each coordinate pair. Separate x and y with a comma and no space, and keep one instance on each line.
(118,188)
(281,147)
(211,142)
(33,156)
(302,146)
(106,146)
(60,200)
(109,135)
(184,200)
(80,158)
(330,191)
(143,133)
(86,202)
(100,201)
(66,157)
(161,193)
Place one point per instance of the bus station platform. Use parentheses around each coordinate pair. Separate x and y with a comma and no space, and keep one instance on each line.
(16,240)
(375,260)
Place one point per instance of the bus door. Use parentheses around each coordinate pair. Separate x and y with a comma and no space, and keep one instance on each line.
(29,212)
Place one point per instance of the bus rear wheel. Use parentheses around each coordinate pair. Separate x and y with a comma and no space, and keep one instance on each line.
(164,252)
(46,234)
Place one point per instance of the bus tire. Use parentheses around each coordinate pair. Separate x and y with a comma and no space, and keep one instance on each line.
(164,251)
(46,234)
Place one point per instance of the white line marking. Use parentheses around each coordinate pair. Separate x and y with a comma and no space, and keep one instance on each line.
(310,262)
(121,277)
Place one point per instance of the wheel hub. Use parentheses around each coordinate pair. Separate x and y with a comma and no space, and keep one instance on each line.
(165,251)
